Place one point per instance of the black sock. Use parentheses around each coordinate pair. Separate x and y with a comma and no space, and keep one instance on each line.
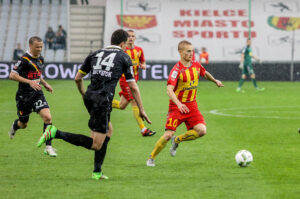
(100,155)
(15,125)
(75,139)
(48,142)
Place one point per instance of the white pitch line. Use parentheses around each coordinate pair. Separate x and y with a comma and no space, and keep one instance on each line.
(222,113)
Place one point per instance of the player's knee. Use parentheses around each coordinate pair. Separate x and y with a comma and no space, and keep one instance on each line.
(22,125)
(201,132)
(122,106)
(168,135)
(96,146)
(47,119)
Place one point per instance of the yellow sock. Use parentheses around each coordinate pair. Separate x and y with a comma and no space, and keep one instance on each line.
(136,114)
(187,136)
(116,104)
(160,144)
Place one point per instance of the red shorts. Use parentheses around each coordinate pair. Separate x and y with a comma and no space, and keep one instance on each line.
(126,92)
(175,118)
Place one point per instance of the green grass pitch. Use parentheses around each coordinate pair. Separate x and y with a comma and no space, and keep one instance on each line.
(265,123)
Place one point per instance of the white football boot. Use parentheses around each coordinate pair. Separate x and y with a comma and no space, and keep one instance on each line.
(49,150)
(150,162)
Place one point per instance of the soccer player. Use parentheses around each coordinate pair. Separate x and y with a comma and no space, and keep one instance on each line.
(106,67)
(30,97)
(138,60)
(247,68)
(203,57)
(182,90)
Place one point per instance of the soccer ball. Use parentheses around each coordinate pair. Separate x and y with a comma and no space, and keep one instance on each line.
(243,158)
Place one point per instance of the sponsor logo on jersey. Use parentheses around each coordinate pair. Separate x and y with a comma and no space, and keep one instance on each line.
(102,73)
(189,88)
(138,21)
(174,74)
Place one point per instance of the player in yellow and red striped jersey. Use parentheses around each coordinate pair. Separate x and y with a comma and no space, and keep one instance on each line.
(138,60)
(182,91)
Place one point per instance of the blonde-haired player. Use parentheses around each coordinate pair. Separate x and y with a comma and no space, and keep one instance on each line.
(182,90)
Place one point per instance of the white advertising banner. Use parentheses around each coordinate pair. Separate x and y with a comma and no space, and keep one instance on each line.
(219,25)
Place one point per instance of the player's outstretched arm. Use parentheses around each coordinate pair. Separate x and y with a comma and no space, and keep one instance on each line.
(79,83)
(33,83)
(137,97)
(46,85)
(209,77)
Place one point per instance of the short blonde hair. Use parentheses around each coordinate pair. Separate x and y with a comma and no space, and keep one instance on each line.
(182,44)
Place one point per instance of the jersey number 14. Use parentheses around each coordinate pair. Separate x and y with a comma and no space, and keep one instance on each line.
(108,61)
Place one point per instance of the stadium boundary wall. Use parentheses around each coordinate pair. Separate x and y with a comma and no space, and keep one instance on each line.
(227,71)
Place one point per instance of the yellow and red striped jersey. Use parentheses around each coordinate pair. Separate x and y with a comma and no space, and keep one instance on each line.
(185,80)
(137,57)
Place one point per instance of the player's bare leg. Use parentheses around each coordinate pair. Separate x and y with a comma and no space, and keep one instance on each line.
(17,124)
(100,156)
(122,104)
(46,117)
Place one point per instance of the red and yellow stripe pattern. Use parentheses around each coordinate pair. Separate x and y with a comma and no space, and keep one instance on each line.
(187,83)
(134,54)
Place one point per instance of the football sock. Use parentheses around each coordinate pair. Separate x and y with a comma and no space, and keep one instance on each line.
(136,114)
(241,82)
(160,144)
(100,155)
(15,125)
(75,139)
(48,142)
(254,82)
(116,104)
(187,136)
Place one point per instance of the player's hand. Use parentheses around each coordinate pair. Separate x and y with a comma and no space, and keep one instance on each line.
(241,65)
(143,66)
(35,84)
(144,116)
(219,83)
(183,108)
(48,88)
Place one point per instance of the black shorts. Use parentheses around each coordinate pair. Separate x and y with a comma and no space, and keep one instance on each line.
(28,103)
(99,112)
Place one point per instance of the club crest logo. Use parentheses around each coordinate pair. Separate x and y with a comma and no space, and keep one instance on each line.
(284,23)
(138,21)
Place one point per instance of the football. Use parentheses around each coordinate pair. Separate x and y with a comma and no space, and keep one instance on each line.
(243,158)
